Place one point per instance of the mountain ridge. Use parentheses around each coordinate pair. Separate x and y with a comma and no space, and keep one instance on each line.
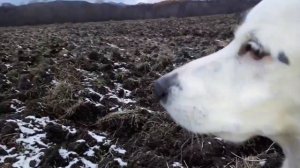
(82,11)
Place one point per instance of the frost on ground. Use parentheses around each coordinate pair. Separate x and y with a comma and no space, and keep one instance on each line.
(121,162)
(177,165)
(35,136)
(17,105)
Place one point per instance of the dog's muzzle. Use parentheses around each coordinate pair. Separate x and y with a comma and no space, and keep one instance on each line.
(163,85)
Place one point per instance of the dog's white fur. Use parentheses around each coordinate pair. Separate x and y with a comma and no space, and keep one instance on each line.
(234,96)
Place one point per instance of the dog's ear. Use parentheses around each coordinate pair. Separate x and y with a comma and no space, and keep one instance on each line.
(241,16)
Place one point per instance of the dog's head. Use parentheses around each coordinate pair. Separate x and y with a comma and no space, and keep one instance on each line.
(248,88)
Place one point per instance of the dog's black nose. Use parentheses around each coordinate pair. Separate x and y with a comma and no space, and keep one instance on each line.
(162,86)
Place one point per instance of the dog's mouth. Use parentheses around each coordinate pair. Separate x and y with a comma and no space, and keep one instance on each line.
(198,121)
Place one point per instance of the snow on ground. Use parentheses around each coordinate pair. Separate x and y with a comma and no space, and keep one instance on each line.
(32,136)
(33,141)
(113,92)
(98,138)
(95,102)
(121,162)
(123,100)
(177,165)
(117,149)
(88,77)
(8,65)
(115,46)
(5,80)
(17,105)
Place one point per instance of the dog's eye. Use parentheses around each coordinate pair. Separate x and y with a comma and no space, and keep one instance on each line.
(254,49)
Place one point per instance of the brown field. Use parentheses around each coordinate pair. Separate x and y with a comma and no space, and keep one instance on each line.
(80,95)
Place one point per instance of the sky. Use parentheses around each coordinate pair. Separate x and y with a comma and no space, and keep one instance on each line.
(19,2)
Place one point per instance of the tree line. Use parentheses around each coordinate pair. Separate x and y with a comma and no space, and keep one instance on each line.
(81,11)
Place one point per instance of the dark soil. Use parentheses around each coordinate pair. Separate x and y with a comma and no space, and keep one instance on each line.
(96,79)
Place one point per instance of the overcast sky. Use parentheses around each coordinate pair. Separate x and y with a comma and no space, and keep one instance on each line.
(18,2)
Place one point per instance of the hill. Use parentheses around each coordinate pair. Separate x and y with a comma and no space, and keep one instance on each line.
(81,11)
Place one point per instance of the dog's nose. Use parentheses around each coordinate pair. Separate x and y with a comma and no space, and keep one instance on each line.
(162,86)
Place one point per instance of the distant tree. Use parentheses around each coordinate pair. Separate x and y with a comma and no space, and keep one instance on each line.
(99,1)
(7,4)
(61,11)
(33,1)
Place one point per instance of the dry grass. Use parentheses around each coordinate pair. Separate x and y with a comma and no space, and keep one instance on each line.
(61,97)
(247,162)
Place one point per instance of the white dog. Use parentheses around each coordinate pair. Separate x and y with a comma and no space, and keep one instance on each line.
(251,87)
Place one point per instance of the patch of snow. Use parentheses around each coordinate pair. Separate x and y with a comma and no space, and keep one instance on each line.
(8,65)
(3,147)
(93,102)
(71,130)
(16,101)
(113,108)
(24,160)
(122,100)
(48,71)
(81,70)
(116,149)
(26,130)
(149,111)
(32,138)
(88,164)
(112,94)
(55,82)
(17,105)
(81,141)
(90,152)
(94,92)
(107,142)
(33,143)
(115,46)
(41,121)
(96,147)
(6,149)
(65,153)
(2,158)
(89,77)
(121,162)
(122,69)
(98,138)
(19,47)
(18,110)
(262,163)
(97,104)
(8,82)
(74,161)
(218,138)
(177,164)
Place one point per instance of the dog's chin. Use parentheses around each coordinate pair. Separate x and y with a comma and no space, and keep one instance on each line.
(195,121)
(185,116)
